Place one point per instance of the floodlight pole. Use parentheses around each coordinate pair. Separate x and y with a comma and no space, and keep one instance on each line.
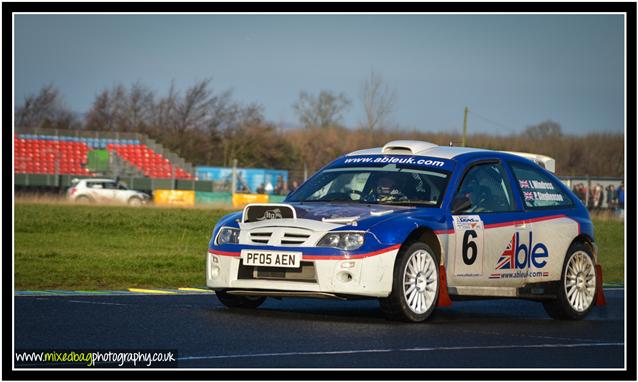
(464,126)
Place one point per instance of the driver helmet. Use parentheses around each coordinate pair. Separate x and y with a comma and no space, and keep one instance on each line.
(386,189)
(471,188)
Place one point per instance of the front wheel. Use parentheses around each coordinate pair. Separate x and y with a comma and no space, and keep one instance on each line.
(134,201)
(233,301)
(577,289)
(415,285)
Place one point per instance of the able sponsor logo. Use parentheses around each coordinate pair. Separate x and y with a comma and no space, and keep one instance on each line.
(518,257)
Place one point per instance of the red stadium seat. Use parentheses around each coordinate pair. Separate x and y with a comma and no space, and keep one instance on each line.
(40,156)
(149,162)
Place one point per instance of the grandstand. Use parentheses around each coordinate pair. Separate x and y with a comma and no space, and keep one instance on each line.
(67,153)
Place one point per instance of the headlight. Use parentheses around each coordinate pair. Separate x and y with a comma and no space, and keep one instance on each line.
(342,240)
(228,235)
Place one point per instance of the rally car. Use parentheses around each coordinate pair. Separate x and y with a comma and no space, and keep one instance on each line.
(415,225)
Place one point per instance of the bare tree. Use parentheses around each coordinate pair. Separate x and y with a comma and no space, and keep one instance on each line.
(100,116)
(193,110)
(122,110)
(546,129)
(46,109)
(138,113)
(322,111)
(200,108)
(164,110)
(378,100)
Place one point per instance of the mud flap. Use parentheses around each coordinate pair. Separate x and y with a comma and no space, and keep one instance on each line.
(444,297)
(600,294)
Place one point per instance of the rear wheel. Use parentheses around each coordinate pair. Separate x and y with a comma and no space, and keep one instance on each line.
(233,301)
(415,285)
(577,289)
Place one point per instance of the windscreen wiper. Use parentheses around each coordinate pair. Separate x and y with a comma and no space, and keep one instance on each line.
(409,202)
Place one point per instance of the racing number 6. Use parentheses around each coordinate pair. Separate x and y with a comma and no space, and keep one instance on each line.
(467,245)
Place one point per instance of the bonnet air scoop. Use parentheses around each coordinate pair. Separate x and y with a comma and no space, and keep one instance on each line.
(407,147)
(255,212)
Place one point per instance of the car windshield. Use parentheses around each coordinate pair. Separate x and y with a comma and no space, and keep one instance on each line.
(387,185)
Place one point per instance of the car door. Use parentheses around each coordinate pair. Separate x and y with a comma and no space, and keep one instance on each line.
(122,193)
(96,191)
(488,236)
(547,207)
(113,193)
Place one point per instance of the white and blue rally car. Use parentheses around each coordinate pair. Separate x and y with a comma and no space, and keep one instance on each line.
(415,225)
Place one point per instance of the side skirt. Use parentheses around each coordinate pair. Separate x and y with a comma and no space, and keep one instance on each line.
(536,291)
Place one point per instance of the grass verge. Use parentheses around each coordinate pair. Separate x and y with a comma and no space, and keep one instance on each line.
(74,247)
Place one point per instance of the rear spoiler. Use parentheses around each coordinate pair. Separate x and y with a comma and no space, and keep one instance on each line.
(544,161)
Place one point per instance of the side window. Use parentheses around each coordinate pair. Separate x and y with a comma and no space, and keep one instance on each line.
(110,186)
(93,185)
(487,188)
(537,189)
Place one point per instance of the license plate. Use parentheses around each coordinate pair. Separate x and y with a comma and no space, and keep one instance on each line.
(280,259)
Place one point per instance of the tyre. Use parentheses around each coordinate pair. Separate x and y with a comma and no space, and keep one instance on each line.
(577,289)
(134,201)
(415,285)
(246,302)
(83,200)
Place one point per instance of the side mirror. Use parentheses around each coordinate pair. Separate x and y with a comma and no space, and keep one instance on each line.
(460,204)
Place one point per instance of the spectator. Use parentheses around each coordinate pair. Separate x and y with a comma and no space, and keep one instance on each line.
(621,198)
(261,189)
(294,186)
(280,186)
(611,196)
(597,196)
(576,191)
(579,190)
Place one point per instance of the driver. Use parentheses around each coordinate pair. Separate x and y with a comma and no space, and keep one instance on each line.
(473,190)
(387,190)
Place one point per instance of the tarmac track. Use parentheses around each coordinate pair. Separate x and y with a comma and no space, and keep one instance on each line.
(309,333)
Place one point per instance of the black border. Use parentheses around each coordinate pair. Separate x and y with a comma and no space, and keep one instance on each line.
(630,179)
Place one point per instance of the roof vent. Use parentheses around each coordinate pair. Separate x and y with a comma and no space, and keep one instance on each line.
(406,147)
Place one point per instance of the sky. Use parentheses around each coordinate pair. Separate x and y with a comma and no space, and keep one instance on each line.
(511,71)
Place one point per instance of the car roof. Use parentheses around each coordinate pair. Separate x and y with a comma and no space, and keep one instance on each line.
(459,154)
(97,180)
(445,152)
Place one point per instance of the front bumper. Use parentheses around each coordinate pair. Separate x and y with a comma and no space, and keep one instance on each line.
(367,275)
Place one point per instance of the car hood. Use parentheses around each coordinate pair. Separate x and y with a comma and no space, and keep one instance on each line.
(362,215)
